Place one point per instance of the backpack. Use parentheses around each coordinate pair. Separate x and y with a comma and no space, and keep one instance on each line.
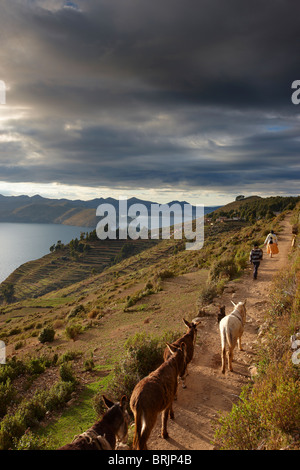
(271,241)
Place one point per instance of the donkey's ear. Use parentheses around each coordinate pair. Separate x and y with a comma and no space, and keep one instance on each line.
(186,323)
(108,403)
(123,402)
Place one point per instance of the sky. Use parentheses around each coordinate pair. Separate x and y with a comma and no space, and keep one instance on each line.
(163,99)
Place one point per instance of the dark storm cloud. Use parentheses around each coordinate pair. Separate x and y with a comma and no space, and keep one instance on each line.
(194,93)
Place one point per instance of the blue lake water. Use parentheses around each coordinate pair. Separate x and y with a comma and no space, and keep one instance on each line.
(20,243)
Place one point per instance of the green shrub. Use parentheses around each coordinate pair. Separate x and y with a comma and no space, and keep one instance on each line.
(241,428)
(31,411)
(76,310)
(29,327)
(207,293)
(127,250)
(30,441)
(11,428)
(66,372)
(73,330)
(165,274)
(7,292)
(70,356)
(149,285)
(224,267)
(269,412)
(242,258)
(123,381)
(12,369)
(281,298)
(145,352)
(14,331)
(58,395)
(89,365)
(19,345)
(7,393)
(278,399)
(47,335)
(131,301)
(35,366)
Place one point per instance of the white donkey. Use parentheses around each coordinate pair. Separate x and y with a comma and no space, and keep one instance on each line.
(231,330)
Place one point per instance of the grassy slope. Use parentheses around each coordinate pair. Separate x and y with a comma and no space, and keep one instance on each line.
(106,321)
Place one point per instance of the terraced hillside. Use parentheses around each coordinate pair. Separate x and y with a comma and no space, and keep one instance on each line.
(63,268)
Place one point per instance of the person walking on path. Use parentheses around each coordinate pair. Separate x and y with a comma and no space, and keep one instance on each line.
(272,244)
(256,255)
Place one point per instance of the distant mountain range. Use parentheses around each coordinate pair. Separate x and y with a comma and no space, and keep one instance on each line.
(37,209)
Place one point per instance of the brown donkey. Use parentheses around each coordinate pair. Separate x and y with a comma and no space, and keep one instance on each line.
(154,394)
(190,340)
(104,434)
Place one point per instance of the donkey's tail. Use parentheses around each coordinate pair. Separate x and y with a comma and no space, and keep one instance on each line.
(143,427)
(138,429)
(226,336)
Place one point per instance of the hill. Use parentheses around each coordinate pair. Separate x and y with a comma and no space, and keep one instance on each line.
(237,205)
(37,209)
(255,207)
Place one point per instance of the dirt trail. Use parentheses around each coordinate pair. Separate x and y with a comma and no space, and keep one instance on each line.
(208,390)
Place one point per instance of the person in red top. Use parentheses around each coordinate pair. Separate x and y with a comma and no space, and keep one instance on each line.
(272,244)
